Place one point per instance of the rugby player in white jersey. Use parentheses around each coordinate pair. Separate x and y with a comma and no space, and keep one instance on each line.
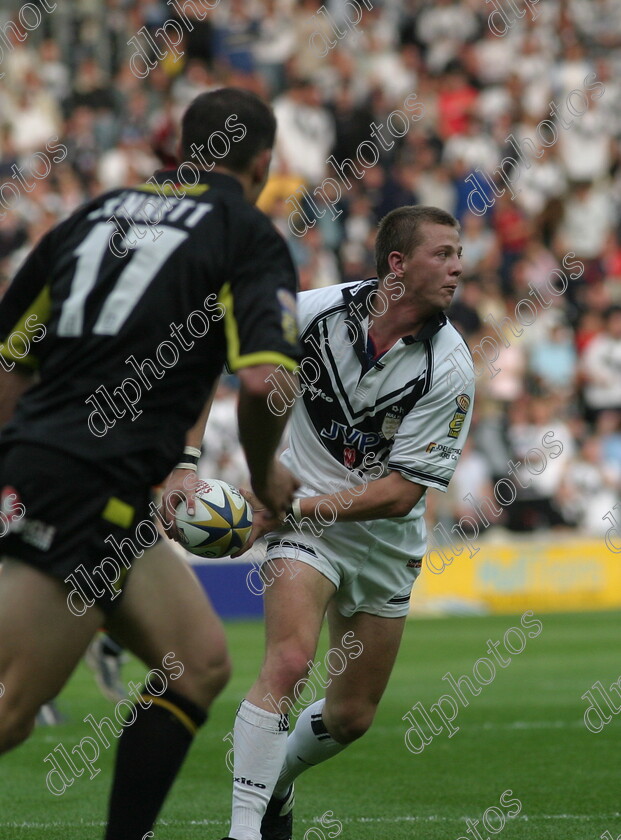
(387,387)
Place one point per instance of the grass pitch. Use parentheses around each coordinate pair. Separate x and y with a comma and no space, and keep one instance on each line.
(523,733)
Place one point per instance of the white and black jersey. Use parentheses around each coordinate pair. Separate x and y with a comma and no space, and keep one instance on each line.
(408,410)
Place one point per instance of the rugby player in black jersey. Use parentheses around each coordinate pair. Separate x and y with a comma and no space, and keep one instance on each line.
(113,334)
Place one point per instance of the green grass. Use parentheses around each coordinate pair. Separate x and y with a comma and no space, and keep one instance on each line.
(524,732)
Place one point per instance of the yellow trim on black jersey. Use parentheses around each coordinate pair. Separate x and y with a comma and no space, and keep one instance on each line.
(118,512)
(41,307)
(170,189)
(265,357)
(180,715)
(236,361)
(230,324)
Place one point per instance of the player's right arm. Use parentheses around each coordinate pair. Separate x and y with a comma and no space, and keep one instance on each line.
(260,432)
(260,326)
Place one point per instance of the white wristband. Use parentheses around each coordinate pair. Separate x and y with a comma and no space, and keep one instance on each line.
(190,461)
(296,510)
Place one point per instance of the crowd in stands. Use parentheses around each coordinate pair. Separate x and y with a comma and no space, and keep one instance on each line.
(511,121)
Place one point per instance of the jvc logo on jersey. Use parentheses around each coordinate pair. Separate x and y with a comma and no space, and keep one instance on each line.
(352,437)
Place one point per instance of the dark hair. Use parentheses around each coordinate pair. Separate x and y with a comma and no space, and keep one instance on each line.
(400,230)
(232,125)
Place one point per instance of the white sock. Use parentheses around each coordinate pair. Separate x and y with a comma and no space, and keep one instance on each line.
(260,744)
(310,743)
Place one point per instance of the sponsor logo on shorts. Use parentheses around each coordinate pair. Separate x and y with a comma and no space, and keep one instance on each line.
(13,520)
(414,563)
(35,533)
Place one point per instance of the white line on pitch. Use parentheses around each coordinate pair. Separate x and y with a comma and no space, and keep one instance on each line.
(407,818)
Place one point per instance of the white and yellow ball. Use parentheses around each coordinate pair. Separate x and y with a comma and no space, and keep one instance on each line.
(221,523)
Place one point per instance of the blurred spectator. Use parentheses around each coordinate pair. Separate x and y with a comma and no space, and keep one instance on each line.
(541,446)
(90,89)
(473,146)
(54,74)
(234,36)
(608,428)
(456,100)
(464,311)
(306,131)
(471,487)
(481,247)
(553,360)
(589,489)
(514,233)
(35,117)
(601,368)
(441,28)
(274,45)
(586,223)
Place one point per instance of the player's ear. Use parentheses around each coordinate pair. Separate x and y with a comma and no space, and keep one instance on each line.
(260,167)
(396,263)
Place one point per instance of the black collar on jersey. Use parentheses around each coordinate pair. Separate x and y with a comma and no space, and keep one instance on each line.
(356,299)
(217,180)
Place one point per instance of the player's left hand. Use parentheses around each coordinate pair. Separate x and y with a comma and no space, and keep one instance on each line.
(263,521)
(180,485)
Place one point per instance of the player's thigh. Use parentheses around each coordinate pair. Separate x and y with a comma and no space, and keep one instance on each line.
(295,603)
(41,639)
(166,610)
(371,653)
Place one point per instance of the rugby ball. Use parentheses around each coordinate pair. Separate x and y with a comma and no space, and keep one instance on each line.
(221,523)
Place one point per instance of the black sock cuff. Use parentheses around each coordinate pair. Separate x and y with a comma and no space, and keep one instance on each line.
(185,710)
(111,647)
(319,728)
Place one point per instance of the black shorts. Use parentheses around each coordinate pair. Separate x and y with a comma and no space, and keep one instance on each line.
(71,521)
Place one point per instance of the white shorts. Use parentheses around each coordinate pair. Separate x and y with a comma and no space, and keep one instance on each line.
(370,574)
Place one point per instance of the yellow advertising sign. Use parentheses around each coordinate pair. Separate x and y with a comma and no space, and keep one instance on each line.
(524,574)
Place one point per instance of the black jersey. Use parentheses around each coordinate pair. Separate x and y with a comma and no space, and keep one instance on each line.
(128,311)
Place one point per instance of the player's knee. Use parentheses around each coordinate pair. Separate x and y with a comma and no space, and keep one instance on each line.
(212,677)
(347,723)
(15,726)
(219,673)
(285,667)
(204,678)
